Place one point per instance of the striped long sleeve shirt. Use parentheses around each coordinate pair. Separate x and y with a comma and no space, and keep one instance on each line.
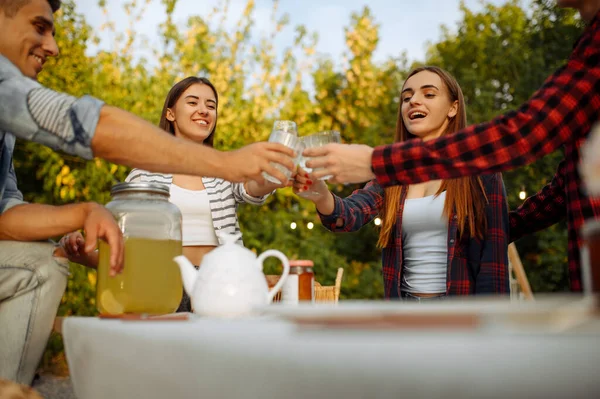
(223,198)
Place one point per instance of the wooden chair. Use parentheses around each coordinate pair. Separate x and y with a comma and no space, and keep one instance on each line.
(328,293)
(519,284)
(272,279)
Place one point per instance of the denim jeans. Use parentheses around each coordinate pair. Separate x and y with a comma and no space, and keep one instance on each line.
(32,282)
(407,296)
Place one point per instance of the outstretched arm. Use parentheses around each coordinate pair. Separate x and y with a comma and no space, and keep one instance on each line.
(563,110)
(125,139)
(86,127)
(543,209)
(353,212)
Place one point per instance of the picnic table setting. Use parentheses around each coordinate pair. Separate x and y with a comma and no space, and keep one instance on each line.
(240,344)
(355,350)
(252,335)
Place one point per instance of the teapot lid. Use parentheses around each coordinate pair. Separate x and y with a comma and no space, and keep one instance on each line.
(228,253)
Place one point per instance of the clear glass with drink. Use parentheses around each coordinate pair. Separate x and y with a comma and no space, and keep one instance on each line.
(318,140)
(286,133)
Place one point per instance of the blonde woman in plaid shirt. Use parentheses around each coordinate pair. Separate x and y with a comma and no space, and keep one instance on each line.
(559,115)
(444,237)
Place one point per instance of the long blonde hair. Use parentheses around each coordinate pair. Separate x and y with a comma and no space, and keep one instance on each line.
(465,196)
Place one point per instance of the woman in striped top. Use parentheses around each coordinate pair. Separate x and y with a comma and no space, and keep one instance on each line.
(208,205)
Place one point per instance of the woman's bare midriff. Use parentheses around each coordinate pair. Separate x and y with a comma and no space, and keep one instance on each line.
(427,295)
(196,253)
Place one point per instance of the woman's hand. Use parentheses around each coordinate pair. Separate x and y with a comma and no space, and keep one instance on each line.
(306,187)
(317,191)
(257,190)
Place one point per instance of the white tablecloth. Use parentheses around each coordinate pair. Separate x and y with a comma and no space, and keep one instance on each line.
(270,358)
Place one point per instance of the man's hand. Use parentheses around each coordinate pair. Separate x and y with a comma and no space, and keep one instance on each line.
(348,163)
(250,161)
(100,224)
(72,246)
(34,222)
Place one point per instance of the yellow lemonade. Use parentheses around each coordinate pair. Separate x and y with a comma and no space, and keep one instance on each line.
(150,281)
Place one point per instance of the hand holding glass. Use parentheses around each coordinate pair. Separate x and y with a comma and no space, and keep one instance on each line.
(318,140)
(284,132)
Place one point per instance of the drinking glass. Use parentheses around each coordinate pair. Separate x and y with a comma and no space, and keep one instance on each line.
(284,132)
(319,140)
(316,140)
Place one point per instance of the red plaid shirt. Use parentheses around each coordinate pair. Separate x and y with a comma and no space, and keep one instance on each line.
(542,210)
(560,114)
(474,266)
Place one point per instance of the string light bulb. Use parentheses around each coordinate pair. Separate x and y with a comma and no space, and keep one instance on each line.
(522,193)
(377,221)
(293,225)
(310,225)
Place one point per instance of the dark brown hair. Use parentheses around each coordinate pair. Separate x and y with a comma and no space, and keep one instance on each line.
(465,195)
(174,95)
(11,7)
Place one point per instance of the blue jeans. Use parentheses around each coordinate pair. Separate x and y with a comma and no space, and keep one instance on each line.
(32,283)
(407,296)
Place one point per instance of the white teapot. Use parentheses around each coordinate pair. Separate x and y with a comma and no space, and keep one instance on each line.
(230,281)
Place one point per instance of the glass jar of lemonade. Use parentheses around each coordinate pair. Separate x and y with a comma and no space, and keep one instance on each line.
(150,281)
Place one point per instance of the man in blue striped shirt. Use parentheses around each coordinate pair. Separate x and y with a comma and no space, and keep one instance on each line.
(32,280)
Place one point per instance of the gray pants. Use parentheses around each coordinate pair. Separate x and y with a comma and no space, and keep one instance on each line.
(32,283)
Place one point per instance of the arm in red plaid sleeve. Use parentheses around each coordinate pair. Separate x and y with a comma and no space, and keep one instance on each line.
(562,110)
(492,251)
(356,210)
(542,210)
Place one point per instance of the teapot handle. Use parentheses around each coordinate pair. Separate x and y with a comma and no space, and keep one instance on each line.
(286,270)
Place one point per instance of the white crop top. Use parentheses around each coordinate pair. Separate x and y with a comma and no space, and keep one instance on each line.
(425,245)
(197,224)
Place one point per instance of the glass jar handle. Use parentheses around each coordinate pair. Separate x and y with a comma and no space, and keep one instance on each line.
(286,270)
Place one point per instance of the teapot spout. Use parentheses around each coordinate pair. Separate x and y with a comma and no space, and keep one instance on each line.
(188,274)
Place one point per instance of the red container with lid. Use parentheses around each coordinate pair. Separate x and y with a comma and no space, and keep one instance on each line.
(300,284)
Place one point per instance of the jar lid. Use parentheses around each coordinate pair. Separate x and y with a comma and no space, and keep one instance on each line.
(156,188)
(301,262)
